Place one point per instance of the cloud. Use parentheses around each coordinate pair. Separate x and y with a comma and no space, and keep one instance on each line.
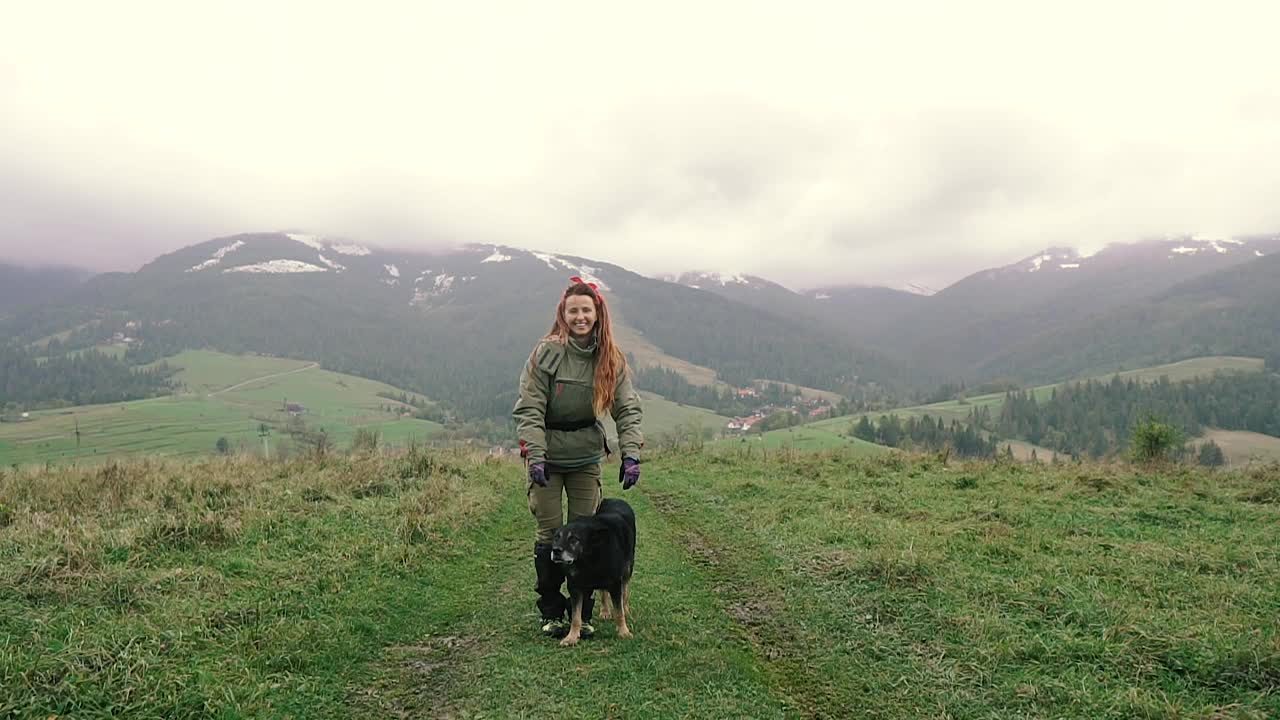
(812,143)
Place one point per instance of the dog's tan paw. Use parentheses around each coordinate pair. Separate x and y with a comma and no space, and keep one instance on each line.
(569,642)
(624,633)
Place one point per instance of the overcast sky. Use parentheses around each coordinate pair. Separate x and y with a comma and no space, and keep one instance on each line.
(806,142)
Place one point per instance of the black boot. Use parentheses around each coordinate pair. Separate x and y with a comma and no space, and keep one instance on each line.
(551,604)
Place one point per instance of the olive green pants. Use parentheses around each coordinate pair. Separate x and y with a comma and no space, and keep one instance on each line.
(580,485)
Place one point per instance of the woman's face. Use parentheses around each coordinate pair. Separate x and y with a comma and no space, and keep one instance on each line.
(580,315)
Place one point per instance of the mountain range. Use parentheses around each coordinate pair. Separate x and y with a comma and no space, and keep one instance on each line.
(456,326)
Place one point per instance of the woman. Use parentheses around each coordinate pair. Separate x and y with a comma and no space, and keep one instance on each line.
(574,376)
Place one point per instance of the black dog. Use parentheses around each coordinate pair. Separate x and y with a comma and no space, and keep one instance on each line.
(598,553)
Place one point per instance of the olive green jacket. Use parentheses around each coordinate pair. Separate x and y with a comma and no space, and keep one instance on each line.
(556,388)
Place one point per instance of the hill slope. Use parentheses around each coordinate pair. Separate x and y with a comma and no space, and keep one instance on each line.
(1235,311)
(975,323)
(20,286)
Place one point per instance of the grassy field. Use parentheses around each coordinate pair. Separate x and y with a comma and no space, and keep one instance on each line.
(807,393)
(801,437)
(204,372)
(661,416)
(229,396)
(768,585)
(1191,369)
(221,396)
(1243,448)
(1022,450)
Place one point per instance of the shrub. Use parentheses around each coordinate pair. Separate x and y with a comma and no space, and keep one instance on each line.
(365,440)
(1153,440)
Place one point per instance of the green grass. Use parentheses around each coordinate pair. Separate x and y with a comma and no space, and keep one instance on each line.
(228,396)
(205,371)
(205,409)
(801,437)
(769,584)
(664,419)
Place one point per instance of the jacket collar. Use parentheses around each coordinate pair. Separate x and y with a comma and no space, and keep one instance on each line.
(582,350)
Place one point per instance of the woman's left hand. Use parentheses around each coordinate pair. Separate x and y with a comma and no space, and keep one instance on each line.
(629,473)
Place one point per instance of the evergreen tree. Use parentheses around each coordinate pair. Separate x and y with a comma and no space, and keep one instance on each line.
(1211,455)
(864,430)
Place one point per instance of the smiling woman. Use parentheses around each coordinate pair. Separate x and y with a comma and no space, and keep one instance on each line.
(575,375)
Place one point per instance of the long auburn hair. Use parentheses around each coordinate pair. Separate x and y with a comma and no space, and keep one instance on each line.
(610,361)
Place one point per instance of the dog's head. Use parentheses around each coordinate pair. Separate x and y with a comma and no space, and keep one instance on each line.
(570,543)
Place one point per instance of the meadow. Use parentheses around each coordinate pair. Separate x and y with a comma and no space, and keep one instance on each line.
(802,437)
(219,396)
(230,396)
(769,584)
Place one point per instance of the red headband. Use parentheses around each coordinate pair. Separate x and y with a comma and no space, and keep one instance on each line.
(594,289)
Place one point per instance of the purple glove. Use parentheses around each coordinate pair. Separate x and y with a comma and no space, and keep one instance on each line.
(629,473)
(538,474)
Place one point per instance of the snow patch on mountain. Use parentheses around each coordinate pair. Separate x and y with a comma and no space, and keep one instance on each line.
(217,256)
(311,241)
(1050,256)
(586,272)
(392,270)
(441,285)
(350,249)
(1058,256)
(1069,266)
(422,276)
(278,267)
(1196,244)
(544,257)
(1037,262)
(497,257)
(822,296)
(916,289)
(723,279)
(1216,242)
(332,264)
(1259,253)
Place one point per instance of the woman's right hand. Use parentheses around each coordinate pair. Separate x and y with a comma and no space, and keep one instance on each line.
(538,474)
